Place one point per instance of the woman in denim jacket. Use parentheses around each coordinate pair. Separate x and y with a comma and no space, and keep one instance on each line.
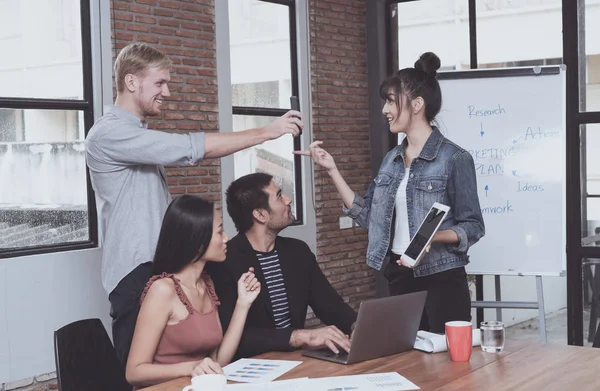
(425,168)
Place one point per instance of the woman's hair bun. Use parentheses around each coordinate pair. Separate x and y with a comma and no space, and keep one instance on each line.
(429,63)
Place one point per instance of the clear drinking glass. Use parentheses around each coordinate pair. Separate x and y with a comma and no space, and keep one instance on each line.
(492,336)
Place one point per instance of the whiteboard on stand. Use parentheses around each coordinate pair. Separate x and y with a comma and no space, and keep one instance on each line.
(512,121)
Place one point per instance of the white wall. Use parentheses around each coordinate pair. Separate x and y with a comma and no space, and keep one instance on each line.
(39,294)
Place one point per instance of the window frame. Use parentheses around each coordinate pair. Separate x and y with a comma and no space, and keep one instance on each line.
(307,232)
(277,112)
(86,106)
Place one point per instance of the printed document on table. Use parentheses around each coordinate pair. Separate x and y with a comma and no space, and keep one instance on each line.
(389,381)
(281,385)
(249,370)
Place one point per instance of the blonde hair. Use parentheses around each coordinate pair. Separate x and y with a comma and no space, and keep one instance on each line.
(135,59)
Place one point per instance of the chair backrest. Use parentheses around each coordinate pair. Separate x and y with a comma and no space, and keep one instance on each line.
(86,359)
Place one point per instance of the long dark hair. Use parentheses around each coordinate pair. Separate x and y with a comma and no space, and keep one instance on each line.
(414,82)
(185,234)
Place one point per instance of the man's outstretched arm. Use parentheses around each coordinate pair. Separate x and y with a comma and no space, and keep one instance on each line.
(223,144)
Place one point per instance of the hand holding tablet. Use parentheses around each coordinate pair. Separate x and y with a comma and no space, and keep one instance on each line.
(419,245)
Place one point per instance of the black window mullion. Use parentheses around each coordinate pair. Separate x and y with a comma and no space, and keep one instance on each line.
(293,49)
(88,116)
(258,111)
(574,200)
(589,252)
(473,36)
(86,53)
(44,249)
(588,117)
(277,112)
(289,3)
(44,104)
(295,92)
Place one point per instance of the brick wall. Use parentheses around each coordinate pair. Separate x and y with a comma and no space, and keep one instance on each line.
(185,31)
(340,109)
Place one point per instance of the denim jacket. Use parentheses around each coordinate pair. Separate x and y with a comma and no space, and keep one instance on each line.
(443,172)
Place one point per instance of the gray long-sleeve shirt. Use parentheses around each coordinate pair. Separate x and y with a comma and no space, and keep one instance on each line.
(126,166)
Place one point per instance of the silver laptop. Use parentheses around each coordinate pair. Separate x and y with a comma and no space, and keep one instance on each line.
(384,327)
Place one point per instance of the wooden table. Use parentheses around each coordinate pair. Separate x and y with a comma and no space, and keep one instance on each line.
(521,366)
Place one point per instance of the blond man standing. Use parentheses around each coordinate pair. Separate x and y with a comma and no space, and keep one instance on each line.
(126,162)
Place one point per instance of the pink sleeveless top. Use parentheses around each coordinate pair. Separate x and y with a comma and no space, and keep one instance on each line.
(195,337)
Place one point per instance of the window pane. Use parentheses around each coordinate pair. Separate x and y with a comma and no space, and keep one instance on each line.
(262,94)
(518,33)
(11,125)
(43,196)
(591,135)
(260,53)
(590,80)
(273,157)
(40,42)
(439,26)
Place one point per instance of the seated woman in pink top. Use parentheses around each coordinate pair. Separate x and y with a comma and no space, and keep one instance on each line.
(178,331)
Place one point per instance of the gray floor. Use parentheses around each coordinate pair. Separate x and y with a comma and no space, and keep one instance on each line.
(556,328)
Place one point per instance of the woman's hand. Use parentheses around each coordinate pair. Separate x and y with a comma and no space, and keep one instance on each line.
(402,262)
(207,366)
(248,288)
(319,156)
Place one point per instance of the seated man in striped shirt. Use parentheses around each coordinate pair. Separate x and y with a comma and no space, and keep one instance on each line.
(285,267)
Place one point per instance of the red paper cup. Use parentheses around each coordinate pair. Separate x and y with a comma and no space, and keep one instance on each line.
(459,339)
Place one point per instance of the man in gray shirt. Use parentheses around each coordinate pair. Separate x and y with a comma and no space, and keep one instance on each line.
(126,162)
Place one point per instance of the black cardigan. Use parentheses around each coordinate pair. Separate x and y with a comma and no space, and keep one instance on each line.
(305,285)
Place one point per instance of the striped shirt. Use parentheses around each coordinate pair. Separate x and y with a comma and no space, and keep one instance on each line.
(269,264)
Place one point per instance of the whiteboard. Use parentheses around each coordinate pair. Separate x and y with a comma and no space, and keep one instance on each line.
(512,121)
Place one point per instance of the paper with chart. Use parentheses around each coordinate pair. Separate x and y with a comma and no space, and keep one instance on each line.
(390,381)
(281,385)
(248,370)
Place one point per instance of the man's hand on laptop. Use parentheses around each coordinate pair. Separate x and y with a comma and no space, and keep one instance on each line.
(329,336)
